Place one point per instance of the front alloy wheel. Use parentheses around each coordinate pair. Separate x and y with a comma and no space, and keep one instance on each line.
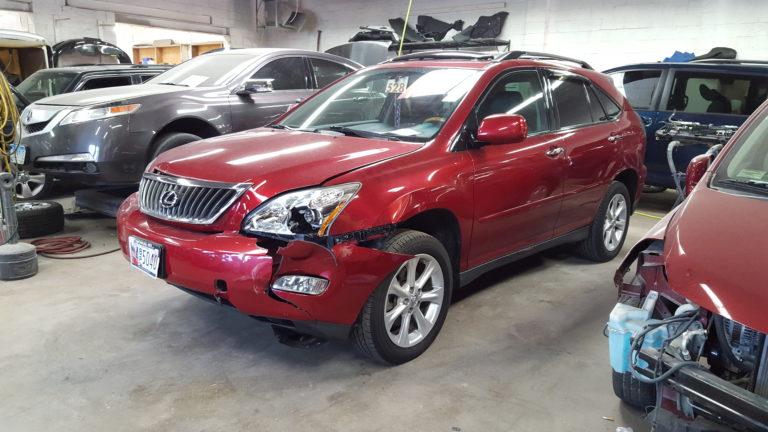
(414,300)
(403,316)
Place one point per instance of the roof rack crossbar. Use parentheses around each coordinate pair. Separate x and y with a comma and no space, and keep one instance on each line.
(730,61)
(443,55)
(513,55)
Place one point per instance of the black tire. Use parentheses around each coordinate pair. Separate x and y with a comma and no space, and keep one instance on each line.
(633,392)
(653,189)
(39,218)
(370,334)
(170,140)
(29,187)
(593,247)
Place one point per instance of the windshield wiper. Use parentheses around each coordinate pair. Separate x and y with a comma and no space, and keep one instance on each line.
(748,185)
(173,84)
(360,134)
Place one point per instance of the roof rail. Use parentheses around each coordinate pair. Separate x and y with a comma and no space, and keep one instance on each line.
(513,55)
(443,55)
(730,61)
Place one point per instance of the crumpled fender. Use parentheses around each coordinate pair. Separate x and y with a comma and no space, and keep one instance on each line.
(353,271)
(656,233)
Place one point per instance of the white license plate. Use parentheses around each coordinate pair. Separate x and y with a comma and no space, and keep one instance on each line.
(145,256)
(18,154)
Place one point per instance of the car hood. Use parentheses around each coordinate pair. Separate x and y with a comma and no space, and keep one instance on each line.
(715,254)
(275,161)
(111,94)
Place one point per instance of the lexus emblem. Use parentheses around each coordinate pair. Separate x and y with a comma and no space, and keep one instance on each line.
(169,199)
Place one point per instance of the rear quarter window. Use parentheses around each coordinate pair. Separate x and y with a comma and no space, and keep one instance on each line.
(637,86)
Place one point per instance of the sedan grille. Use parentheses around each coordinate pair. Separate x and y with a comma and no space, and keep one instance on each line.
(35,127)
(186,200)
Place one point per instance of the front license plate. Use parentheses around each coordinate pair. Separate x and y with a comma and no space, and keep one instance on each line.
(18,154)
(145,256)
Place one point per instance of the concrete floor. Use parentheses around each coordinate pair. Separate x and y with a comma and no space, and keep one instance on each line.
(93,345)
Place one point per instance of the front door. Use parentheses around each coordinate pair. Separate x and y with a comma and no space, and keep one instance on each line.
(518,186)
(290,84)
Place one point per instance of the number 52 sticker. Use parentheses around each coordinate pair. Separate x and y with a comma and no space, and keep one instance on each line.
(397,85)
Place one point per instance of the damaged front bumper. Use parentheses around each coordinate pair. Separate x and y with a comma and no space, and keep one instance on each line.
(710,396)
(238,270)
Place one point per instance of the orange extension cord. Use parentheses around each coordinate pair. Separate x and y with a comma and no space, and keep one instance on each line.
(55,247)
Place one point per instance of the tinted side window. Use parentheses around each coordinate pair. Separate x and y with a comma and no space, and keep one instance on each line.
(595,107)
(286,74)
(612,110)
(517,93)
(717,93)
(327,71)
(145,78)
(637,86)
(97,83)
(570,98)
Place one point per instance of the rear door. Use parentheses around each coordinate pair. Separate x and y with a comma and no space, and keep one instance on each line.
(643,89)
(291,82)
(589,139)
(711,96)
(518,186)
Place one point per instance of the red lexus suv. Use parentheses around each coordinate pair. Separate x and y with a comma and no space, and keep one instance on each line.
(362,209)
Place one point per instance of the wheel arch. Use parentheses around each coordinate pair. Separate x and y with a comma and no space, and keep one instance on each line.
(442,224)
(631,180)
(192,125)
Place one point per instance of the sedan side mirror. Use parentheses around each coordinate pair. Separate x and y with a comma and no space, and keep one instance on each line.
(502,129)
(253,86)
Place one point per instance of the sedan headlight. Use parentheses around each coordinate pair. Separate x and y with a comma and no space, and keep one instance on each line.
(88,114)
(309,211)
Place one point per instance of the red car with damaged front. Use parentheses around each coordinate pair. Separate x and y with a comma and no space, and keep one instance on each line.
(362,209)
(688,335)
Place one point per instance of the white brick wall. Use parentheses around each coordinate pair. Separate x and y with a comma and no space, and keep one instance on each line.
(606,33)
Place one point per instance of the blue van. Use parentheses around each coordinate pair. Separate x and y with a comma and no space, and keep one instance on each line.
(717,92)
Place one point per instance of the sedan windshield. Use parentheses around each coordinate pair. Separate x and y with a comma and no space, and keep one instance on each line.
(45,83)
(401,103)
(206,70)
(745,167)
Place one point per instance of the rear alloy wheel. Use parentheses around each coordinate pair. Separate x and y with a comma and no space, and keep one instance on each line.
(403,316)
(609,228)
(32,185)
(615,224)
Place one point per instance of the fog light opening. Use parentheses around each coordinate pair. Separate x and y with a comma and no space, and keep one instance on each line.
(301,284)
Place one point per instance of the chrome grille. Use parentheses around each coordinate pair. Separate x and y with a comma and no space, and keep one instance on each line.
(186,200)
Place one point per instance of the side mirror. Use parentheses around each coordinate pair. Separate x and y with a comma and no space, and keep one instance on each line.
(695,171)
(253,86)
(502,129)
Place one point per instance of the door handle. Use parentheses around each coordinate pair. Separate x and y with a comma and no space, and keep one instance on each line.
(615,138)
(554,152)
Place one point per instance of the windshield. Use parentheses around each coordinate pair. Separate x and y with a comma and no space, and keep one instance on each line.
(745,167)
(45,83)
(206,70)
(398,103)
